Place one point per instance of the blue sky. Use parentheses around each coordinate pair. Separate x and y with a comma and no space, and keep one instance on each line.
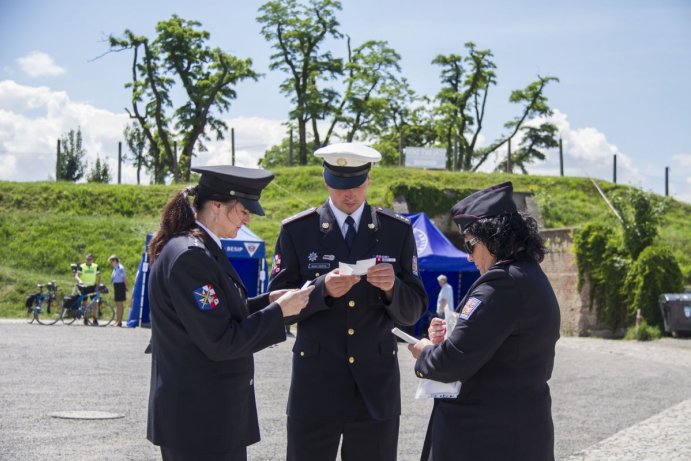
(624,66)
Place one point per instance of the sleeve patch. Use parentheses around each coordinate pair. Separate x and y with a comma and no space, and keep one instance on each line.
(276,264)
(470,306)
(206,297)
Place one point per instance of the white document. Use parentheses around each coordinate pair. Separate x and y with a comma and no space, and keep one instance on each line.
(359,268)
(405,336)
(428,389)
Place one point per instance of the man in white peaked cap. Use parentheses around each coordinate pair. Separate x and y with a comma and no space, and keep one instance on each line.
(345,380)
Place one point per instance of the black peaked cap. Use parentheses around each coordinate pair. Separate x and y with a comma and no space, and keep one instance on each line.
(484,203)
(245,184)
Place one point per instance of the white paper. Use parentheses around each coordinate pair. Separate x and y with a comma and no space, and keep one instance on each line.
(428,389)
(359,268)
(405,336)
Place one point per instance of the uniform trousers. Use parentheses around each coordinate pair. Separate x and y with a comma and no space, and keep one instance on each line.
(364,439)
(173,454)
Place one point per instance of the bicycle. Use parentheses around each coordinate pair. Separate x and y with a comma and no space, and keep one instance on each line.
(42,306)
(73,308)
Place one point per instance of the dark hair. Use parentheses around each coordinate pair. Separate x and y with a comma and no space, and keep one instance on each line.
(178,216)
(510,236)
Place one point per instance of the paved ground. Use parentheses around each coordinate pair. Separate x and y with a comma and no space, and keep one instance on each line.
(613,400)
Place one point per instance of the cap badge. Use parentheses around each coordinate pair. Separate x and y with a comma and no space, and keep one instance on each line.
(341,162)
(232,192)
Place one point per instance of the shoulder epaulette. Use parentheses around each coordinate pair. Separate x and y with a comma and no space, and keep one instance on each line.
(393,214)
(298,216)
(195,242)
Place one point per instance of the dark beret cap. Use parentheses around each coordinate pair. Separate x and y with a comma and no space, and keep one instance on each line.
(484,203)
(245,184)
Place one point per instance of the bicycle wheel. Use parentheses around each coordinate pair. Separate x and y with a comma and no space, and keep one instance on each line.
(49,312)
(105,314)
(69,315)
(29,314)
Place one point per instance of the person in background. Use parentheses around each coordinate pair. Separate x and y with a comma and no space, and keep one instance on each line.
(345,379)
(119,279)
(445,297)
(502,347)
(88,278)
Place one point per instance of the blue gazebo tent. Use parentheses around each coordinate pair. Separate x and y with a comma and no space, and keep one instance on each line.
(436,256)
(247,253)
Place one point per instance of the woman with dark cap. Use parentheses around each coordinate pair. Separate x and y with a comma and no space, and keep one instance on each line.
(502,347)
(204,329)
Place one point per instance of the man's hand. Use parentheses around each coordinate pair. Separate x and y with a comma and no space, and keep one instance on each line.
(383,277)
(336,285)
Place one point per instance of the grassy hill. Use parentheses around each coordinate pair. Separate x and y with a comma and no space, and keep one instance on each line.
(46,226)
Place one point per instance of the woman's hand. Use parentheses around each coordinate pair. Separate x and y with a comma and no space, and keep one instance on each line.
(274,295)
(437,330)
(293,301)
(416,349)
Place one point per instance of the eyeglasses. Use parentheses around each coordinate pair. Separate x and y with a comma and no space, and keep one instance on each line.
(469,245)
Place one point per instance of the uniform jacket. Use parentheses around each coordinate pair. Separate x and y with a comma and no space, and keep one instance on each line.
(204,332)
(502,350)
(347,342)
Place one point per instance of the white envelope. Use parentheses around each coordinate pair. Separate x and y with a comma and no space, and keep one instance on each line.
(428,389)
(359,268)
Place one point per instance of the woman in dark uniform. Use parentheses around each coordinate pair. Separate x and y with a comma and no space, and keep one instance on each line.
(502,347)
(204,329)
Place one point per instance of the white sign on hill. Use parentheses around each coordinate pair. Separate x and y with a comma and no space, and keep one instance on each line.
(433,158)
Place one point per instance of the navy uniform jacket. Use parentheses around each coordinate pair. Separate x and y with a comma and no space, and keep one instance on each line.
(347,342)
(202,370)
(502,350)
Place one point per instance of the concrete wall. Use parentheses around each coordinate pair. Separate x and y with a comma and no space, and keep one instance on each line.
(560,267)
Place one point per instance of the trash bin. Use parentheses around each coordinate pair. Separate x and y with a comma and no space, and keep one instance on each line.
(676,312)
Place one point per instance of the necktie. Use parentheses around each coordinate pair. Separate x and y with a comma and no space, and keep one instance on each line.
(350,232)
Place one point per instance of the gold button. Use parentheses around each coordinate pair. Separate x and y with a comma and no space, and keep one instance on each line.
(394,352)
(251,381)
(302,354)
(351,359)
(351,332)
(351,303)
(325,225)
(316,274)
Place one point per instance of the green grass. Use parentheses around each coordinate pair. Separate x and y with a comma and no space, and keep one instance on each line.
(45,226)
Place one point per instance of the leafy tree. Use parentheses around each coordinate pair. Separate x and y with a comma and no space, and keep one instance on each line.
(534,140)
(641,215)
(100,172)
(372,70)
(72,164)
(461,105)
(656,271)
(297,32)
(412,124)
(278,155)
(625,270)
(136,142)
(179,55)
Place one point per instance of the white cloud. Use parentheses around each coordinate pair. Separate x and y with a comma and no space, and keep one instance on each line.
(682,160)
(39,64)
(32,119)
